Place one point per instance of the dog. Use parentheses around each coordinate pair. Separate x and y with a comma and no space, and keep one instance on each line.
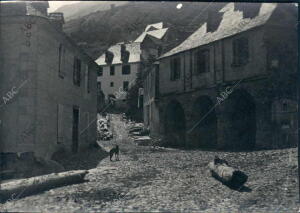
(217,160)
(114,151)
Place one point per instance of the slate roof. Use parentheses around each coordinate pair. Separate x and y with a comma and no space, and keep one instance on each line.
(134,50)
(232,23)
(156,26)
(155,33)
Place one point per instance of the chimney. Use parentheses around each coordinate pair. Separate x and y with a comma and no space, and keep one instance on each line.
(124,54)
(213,20)
(112,6)
(57,19)
(108,57)
(41,6)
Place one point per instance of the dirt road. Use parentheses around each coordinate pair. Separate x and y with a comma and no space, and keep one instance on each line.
(168,180)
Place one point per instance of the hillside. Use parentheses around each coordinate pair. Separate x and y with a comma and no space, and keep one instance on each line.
(98,30)
(83,8)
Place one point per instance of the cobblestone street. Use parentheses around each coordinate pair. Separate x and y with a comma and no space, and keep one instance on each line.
(168,180)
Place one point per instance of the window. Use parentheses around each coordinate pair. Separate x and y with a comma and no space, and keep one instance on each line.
(100,71)
(60,55)
(112,70)
(285,124)
(76,71)
(99,86)
(126,69)
(61,61)
(87,124)
(175,69)
(111,84)
(284,106)
(60,124)
(125,86)
(201,61)
(240,52)
(87,78)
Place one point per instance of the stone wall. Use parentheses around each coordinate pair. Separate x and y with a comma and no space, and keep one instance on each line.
(234,107)
(30,123)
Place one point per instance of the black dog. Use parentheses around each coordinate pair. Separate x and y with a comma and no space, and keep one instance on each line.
(114,151)
(217,160)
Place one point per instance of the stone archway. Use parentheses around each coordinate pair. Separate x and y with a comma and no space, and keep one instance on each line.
(175,124)
(240,125)
(204,129)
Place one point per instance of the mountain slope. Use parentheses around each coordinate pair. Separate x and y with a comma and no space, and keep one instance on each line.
(83,8)
(99,30)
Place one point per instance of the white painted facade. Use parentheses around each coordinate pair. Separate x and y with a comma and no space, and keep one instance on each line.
(117,79)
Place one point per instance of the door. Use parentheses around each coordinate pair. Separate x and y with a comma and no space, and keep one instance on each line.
(75,129)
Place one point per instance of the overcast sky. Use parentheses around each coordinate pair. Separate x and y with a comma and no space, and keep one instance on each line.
(56,4)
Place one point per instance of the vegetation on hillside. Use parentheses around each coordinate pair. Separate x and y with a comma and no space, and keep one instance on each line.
(99,30)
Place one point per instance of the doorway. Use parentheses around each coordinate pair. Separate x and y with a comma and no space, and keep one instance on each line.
(75,129)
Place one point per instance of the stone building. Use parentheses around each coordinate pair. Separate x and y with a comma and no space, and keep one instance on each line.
(120,64)
(233,87)
(48,84)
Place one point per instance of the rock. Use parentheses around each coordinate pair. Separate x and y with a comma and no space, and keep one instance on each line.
(143,141)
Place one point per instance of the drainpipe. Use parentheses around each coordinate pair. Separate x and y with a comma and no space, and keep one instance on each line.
(184,72)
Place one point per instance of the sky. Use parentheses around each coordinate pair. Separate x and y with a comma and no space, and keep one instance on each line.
(56,4)
(53,5)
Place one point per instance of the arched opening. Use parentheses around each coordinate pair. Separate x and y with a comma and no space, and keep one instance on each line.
(241,115)
(175,125)
(204,129)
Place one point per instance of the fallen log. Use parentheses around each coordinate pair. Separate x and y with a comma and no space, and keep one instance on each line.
(229,176)
(29,186)
(6,174)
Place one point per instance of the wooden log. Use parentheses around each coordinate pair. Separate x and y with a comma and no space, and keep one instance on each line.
(229,176)
(6,174)
(29,186)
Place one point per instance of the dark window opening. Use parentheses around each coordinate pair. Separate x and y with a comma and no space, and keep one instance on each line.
(88,79)
(112,70)
(201,61)
(76,71)
(285,124)
(240,52)
(60,61)
(100,71)
(99,86)
(175,69)
(75,129)
(125,86)
(111,84)
(126,69)
(284,106)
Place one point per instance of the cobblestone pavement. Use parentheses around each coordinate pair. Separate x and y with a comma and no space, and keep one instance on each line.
(168,180)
